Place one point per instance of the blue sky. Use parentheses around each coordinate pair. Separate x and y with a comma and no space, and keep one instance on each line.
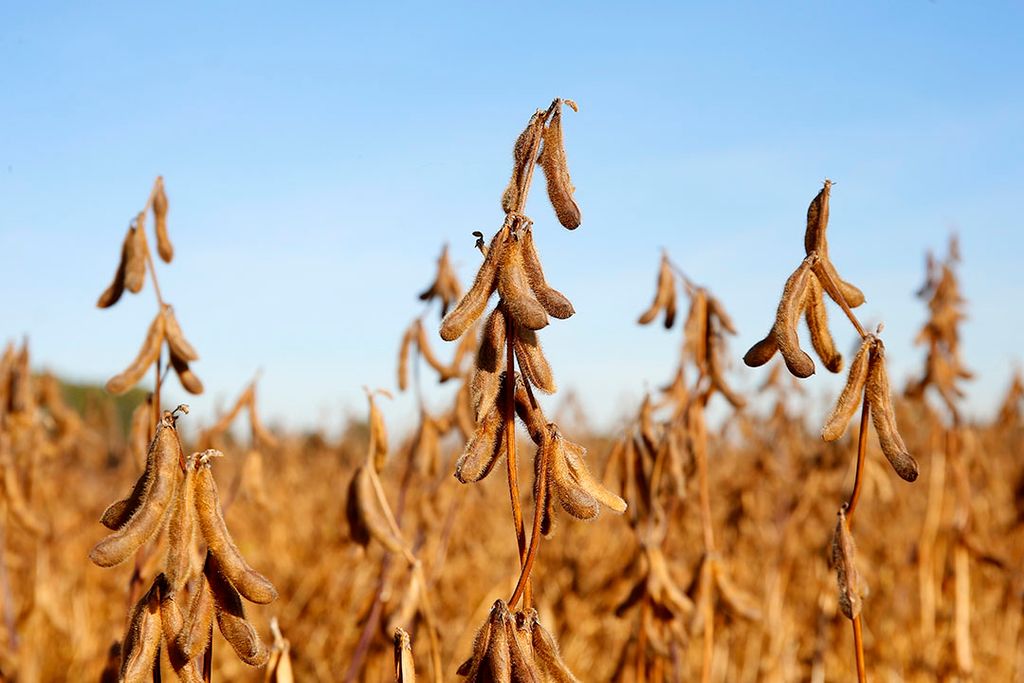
(317,157)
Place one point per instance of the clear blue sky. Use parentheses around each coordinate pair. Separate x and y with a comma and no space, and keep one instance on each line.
(317,156)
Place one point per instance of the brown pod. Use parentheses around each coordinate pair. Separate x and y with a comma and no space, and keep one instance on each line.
(716,309)
(498,655)
(530,412)
(161,483)
(815,240)
(472,305)
(176,340)
(761,352)
(665,289)
(670,309)
(574,499)
(514,288)
(849,293)
(851,395)
(250,583)
(135,256)
(586,481)
(112,294)
(520,651)
(553,301)
(181,530)
(173,623)
(378,434)
(481,644)
(194,636)
(484,449)
(142,642)
(523,155)
(784,332)
(851,588)
(817,322)
(147,355)
(163,241)
(366,520)
(490,363)
(188,379)
(696,329)
(427,352)
(231,620)
(556,171)
(884,418)
(532,362)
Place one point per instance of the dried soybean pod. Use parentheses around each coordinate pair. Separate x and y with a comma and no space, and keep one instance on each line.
(817,323)
(483,449)
(135,257)
(403,357)
(574,499)
(585,480)
(498,651)
(481,644)
(523,155)
(670,309)
(176,340)
(490,362)
(142,642)
(844,560)
(405,668)
(14,495)
(474,302)
(714,364)
(665,288)
(520,654)
(553,301)
(112,294)
(716,309)
(368,510)
(883,416)
(761,352)
(427,352)
(530,413)
(378,432)
(161,483)
(163,241)
(194,636)
(548,657)
(739,601)
(188,379)
(181,529)
(851,395)
(231,620)
(817,222)
(532,362)
(514,288)
(849,293)
(147,355)
(556,171)
(173,623)
(696,329)
(250,583)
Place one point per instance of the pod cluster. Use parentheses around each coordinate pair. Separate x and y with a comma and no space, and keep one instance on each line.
(179,495)
(131,268)
(514,648)
(803,295)
(163,329)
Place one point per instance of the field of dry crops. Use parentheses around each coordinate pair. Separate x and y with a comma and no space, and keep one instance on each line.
(885,544)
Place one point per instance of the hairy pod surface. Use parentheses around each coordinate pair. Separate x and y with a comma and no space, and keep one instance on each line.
(851,395)
(817,323)
(146,356)
(884,417)
(664,290)
(142,642)
(556,171)
(484,449)
(194,636)
(847,577)
(161,483)
(783,335)
(490,363)
(366,520)
(523,155)
(250,583)
(532,362)
(403,357)
(481,644)
(405,668)
(472,305)
(173,622)
(181,530)
(188,379)
(554,302)
(231,620)
(514,287)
